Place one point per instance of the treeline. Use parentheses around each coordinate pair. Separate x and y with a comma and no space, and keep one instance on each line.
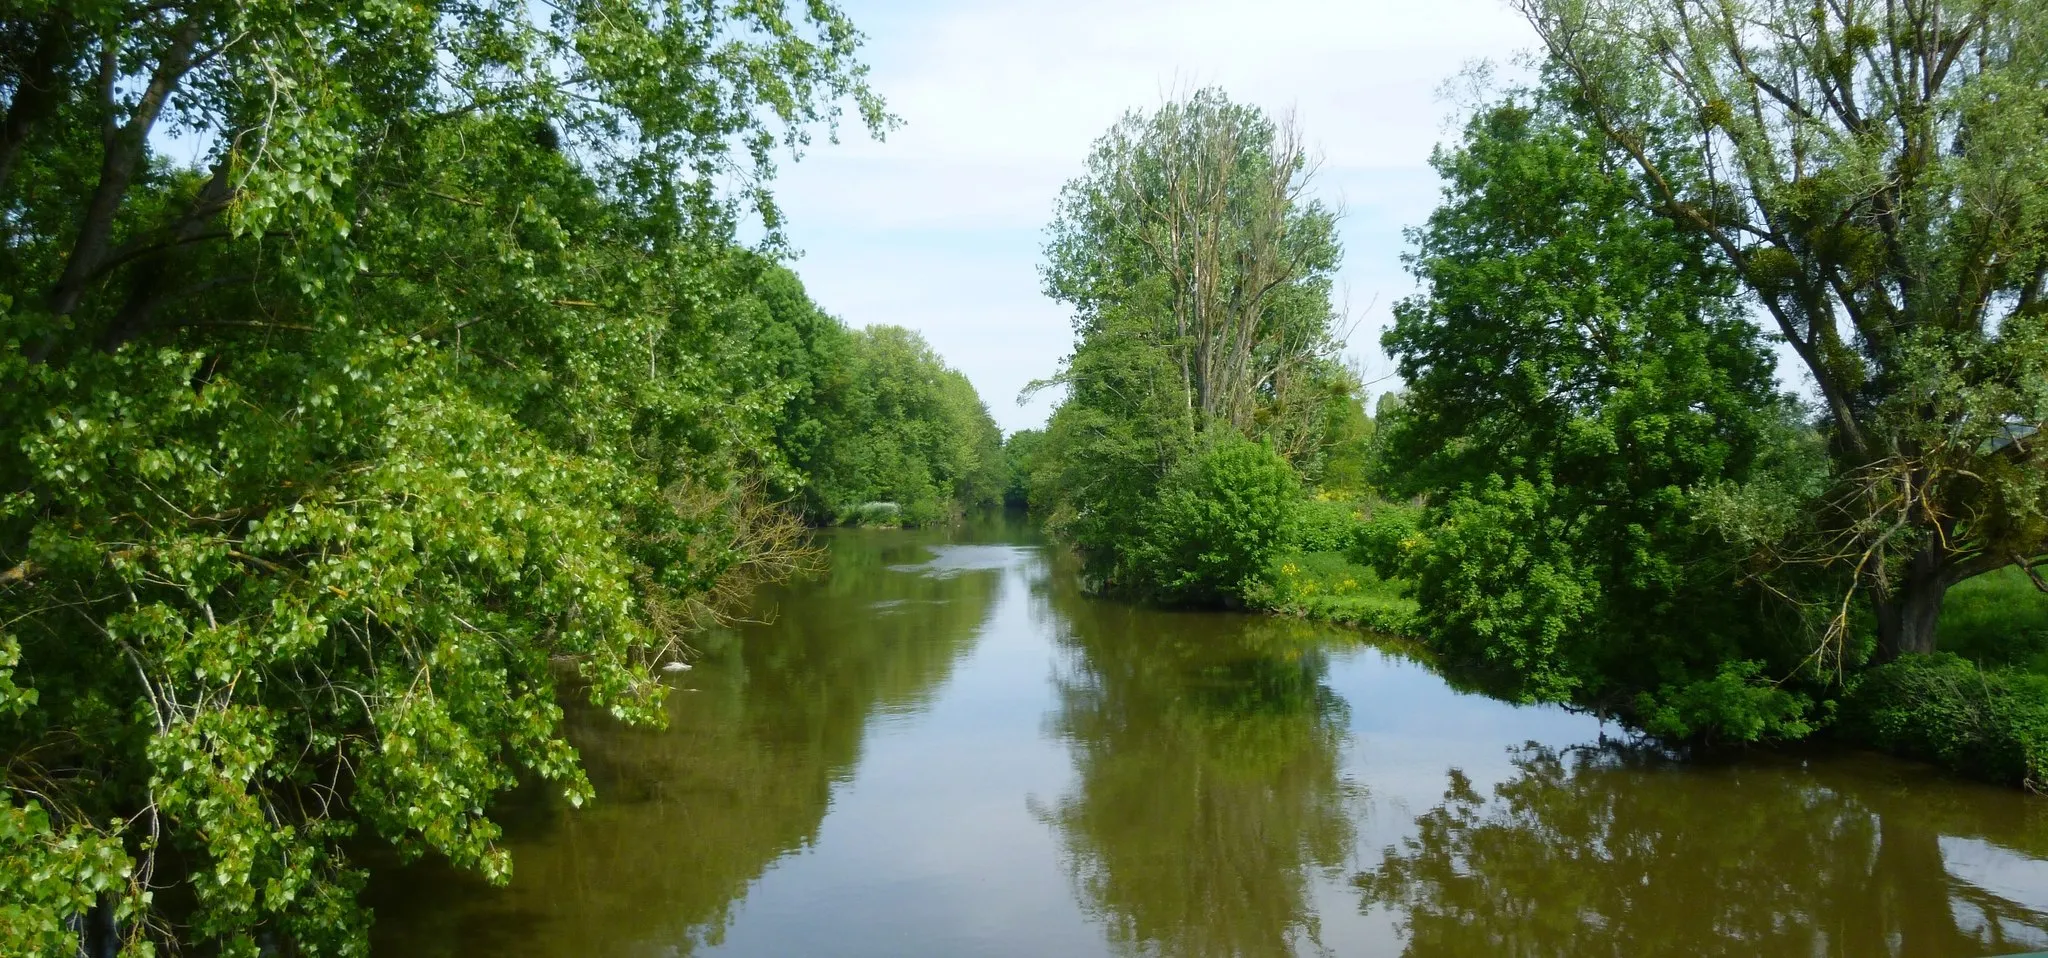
(434,384)
(1593,489)
(893,436)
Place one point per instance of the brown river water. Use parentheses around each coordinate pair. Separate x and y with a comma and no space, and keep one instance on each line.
(942,747)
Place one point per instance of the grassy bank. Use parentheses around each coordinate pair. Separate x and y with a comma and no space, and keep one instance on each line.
(1981,706)
(1328,586)
(1998,621)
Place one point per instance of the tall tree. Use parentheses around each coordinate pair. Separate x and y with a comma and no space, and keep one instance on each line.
(1199,271)
(1580,380)
(1193,227)
(1877,173)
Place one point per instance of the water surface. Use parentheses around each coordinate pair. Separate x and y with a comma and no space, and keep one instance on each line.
(942,748)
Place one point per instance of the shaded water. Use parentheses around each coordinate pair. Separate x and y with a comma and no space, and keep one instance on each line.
(942,748)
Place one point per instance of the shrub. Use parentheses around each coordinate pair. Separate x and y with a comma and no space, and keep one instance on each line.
(1385,538)
(1737,704)
(1944,709)
(1219,517)
(1324,526)
(875,514)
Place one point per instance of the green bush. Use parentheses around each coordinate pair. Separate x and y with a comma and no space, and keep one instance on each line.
(1944,709)
(1219,518)
(1738,704)
(1324,526)
(1384,537)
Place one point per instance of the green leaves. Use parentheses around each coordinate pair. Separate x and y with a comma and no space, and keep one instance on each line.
(1579,379)
(1219,517)
(1876,175)
(53,873)
(437,389)
(1198,267)
(902,437)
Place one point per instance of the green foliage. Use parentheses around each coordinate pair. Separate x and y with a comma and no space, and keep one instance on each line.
(1330,586)
(900,427)
(1219,517)
(1023,453)
(1199,274)
(54,874)
(1740,703)
(1324,525)
(1878,186)
(1579,375)
(439,380)
(1990,724)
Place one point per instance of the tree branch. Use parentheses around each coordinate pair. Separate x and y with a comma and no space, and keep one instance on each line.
(124,150)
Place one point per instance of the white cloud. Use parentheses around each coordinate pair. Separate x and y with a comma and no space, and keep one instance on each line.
(937,228)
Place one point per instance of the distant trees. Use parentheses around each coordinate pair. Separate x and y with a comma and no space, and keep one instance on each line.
(898,426)
(1199,272)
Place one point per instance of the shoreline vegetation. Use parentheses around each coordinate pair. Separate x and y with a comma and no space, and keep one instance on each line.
(435,386)
(441,366)
(1592,488)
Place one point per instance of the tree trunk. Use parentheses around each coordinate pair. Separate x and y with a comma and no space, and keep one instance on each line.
(1908,611)
(1912,882)
(101,936)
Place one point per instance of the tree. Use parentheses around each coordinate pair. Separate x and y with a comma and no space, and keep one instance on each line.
(1579,381)
(1877,174)
(1193,226)
(1199,273)
(325,455)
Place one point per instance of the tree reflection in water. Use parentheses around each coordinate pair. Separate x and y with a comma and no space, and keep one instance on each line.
(1209,791)
(1620,850)
(760,733)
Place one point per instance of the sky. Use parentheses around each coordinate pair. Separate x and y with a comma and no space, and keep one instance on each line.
(938,227)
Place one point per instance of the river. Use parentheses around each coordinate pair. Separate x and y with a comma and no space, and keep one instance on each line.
(941,747)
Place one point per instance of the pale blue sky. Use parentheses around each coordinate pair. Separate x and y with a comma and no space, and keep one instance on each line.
(938,228)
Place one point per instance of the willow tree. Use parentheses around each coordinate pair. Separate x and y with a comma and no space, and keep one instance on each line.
(363,363)
(1877,172)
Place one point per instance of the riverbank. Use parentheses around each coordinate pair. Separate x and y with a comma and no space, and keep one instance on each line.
(1979,709)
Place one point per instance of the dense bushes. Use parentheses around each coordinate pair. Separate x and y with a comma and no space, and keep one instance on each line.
(1989,723)
(1220,516)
